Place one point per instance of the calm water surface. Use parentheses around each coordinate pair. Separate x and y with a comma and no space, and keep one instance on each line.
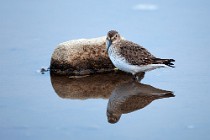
(32,108)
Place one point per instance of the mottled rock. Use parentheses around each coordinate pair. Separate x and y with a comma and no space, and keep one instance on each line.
(81,57)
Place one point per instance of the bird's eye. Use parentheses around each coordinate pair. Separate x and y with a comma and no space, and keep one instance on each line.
(116,35)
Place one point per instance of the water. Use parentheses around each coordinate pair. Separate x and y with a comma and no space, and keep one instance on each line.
(31,109)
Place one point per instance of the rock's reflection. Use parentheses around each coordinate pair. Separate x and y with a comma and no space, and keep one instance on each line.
(124,94)
(94,86)
(132,96)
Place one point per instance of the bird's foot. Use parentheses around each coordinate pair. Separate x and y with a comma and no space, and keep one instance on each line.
(138,77)
(134,77)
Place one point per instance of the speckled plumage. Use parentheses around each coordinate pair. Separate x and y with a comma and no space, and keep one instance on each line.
(131,57)
(133,53)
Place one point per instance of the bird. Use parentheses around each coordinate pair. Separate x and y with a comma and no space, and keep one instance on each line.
(131,57)
(132,96)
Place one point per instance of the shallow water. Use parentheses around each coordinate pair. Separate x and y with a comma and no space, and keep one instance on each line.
(30,107)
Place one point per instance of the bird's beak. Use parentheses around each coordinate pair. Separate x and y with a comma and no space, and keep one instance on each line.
(108,44)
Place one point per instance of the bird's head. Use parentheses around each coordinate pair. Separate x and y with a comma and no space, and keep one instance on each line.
(113,117)
(112,37)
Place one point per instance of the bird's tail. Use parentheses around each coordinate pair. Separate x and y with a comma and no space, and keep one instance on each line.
(168,62)
(167,95)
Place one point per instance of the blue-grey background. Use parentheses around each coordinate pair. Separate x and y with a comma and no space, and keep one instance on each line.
(30,31)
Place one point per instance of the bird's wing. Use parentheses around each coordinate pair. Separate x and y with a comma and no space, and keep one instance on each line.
(134,53)
(135,102)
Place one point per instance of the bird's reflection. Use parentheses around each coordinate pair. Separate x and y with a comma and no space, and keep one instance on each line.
(132,96)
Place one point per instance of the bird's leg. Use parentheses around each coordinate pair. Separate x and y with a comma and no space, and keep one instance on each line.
(140,76)
(134,77)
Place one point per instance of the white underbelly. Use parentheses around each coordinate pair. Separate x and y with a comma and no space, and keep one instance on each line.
(123,65)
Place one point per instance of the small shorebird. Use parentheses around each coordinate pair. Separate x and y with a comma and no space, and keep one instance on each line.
(131,57)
